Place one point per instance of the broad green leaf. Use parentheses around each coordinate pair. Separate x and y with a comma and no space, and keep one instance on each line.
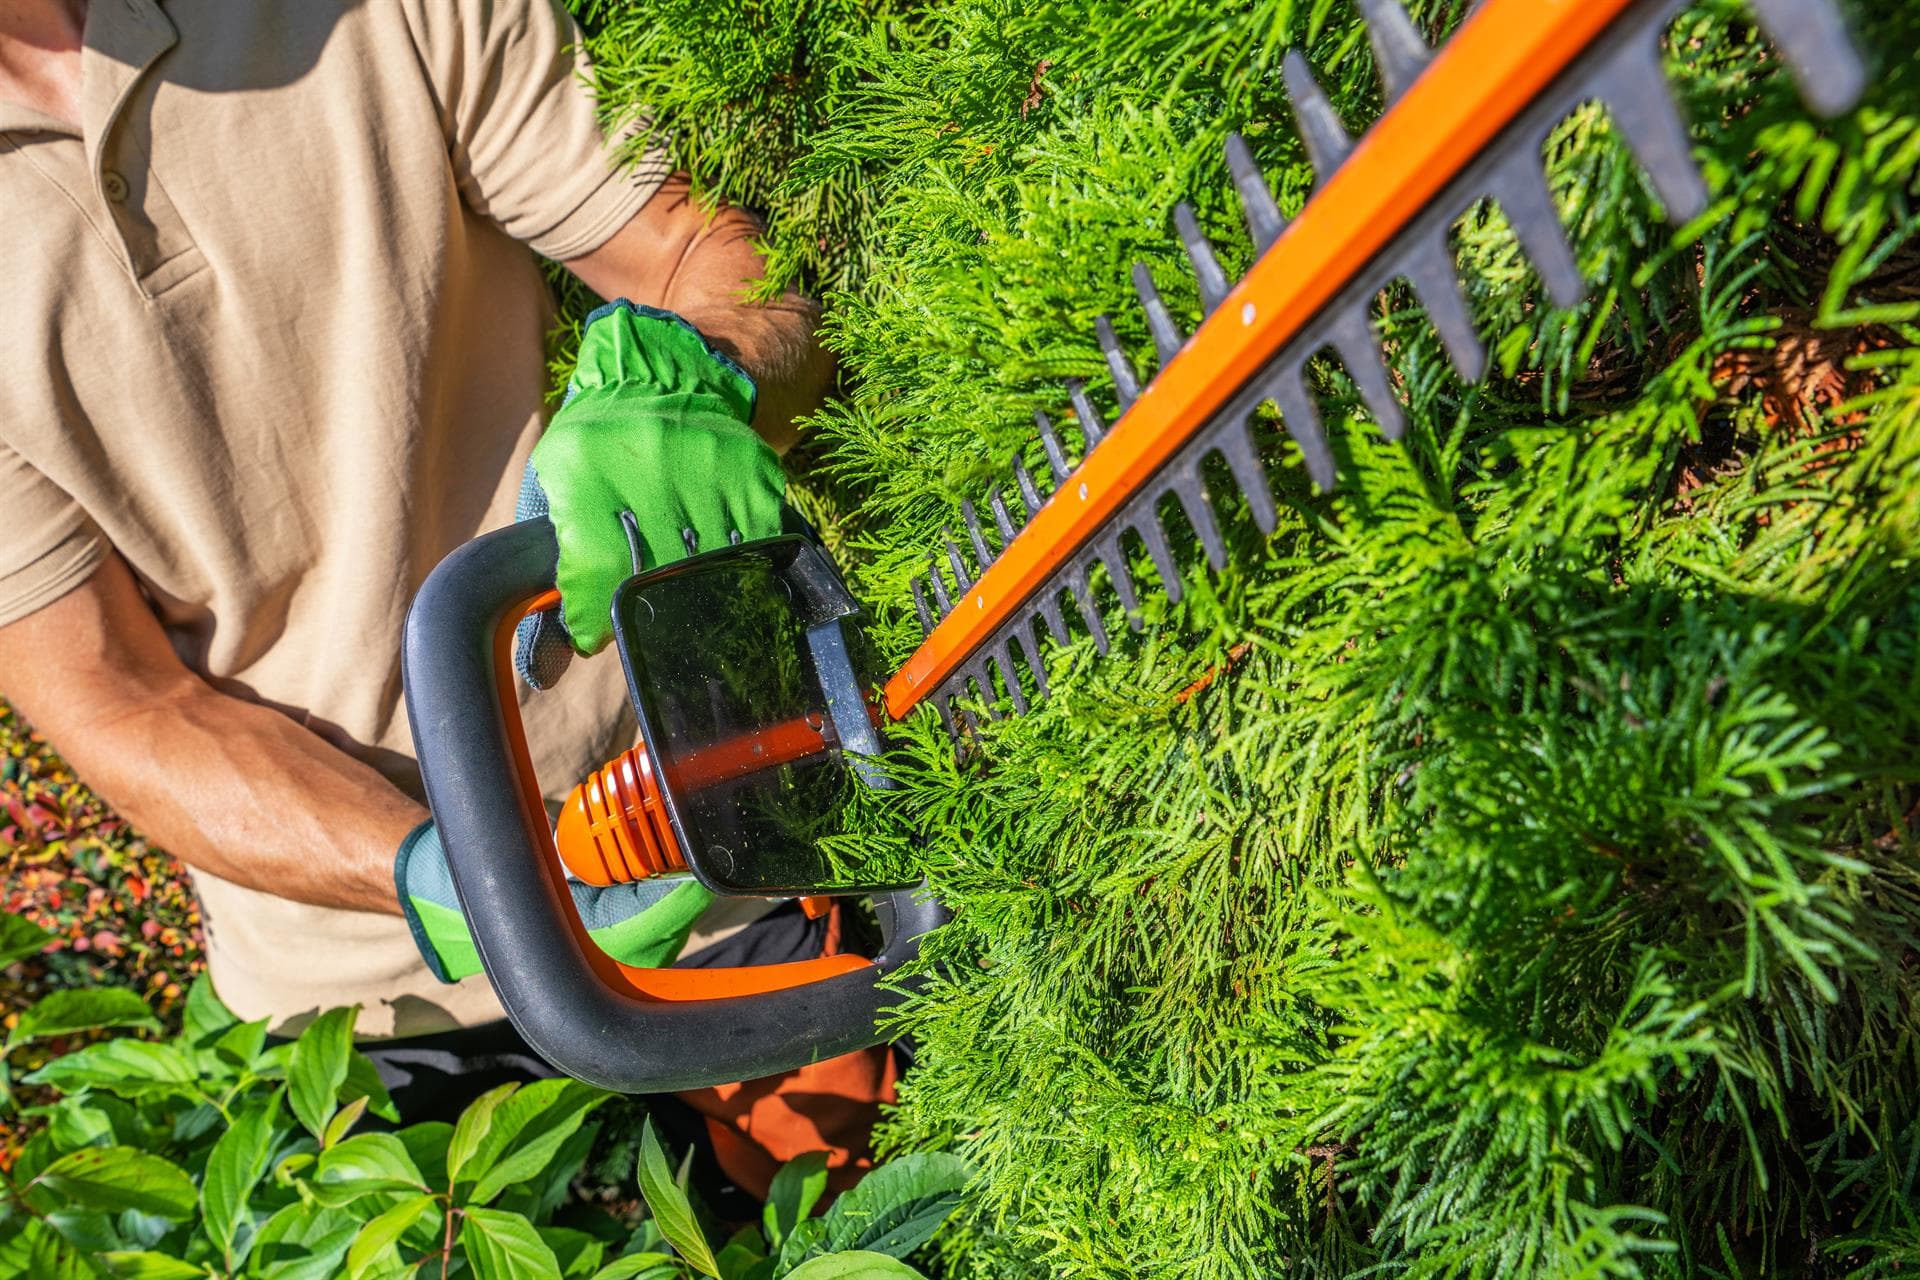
(142,1265)
(857,1265)
(91,1231)
(82,1009)
(343,1121)
(426,1143)
(20,938)
(205,1018)
(642,1266)
(363,1081)
(51,1256)
(742,1255)
(370,1164)
(116,1178)
(473,1126)
(77,1122)
(234,1167)
(241,1043)
(801,1244)
(672,1211)
(578,1253)
(292,1165)
(318,1067)
(504,1246)
(527,1130)
(896,1208)
(302,1242)
(130,1068)
(796,1188)
(379,1237)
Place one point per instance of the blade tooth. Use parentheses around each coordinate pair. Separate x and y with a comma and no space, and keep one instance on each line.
(1634,86)
(1286,386)
(1198,504)
(1001,519)
(940,596)
(961,579)
(1155,538)
(1398,49)
(1264,223)
(1167,338)
(943,704)
(1030,649)
(982,555)
(1050,441)
(1328,145)
(1010,676)
(1429,268)
(980,676)
(1520,186)
(1081,582)
(1126,383)
(1112,555)
(1235,443)
(1056,620)
(1826,61)
(1359,349)
(1092,429)
(920,607)
(1206,267)
(1029,492)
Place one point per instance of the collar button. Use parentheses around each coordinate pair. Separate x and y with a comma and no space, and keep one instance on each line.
(113,186)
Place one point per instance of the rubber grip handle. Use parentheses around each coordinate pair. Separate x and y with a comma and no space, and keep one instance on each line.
(633,1031)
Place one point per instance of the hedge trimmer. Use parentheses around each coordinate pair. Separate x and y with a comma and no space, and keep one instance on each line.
(745,664)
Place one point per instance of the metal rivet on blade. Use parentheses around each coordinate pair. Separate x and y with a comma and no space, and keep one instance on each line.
(1247,313)
(1083,491)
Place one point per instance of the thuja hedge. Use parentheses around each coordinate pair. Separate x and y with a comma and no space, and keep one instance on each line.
(1534,892)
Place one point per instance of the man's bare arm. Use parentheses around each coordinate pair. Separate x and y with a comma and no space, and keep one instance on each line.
(680,256)
(227,786)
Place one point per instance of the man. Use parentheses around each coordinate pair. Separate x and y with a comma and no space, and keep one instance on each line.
(272,346)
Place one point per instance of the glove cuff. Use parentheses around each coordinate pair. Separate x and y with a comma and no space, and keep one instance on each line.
(422,842)
(624,343)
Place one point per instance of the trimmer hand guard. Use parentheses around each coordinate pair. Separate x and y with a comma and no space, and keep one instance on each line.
(626,1029)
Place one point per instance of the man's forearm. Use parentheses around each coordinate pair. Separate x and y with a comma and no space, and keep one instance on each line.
(242,791)
(229,787)
(700,263)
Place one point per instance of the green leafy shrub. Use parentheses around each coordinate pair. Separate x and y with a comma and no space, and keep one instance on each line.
(1536,892)
(215,1153)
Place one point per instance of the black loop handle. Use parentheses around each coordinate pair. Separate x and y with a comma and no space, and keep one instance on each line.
(564,995)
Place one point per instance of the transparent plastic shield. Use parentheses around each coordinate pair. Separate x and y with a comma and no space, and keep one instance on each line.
(746,673)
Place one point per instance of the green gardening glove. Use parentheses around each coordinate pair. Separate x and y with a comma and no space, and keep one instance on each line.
(644,924)
(651,458)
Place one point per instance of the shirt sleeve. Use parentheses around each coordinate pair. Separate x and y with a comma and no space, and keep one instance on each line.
(51,545)
(527,147)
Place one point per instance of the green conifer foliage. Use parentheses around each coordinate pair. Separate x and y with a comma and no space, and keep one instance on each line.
(1533,891)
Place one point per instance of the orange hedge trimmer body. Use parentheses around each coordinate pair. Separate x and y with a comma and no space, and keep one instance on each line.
(1463,124)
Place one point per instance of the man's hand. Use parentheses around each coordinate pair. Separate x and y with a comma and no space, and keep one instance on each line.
(699,261)
(650,460)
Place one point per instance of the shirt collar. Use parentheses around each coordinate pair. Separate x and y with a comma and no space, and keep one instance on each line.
(121,40)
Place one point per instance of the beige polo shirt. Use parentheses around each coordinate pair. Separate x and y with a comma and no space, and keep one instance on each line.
(273,330)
